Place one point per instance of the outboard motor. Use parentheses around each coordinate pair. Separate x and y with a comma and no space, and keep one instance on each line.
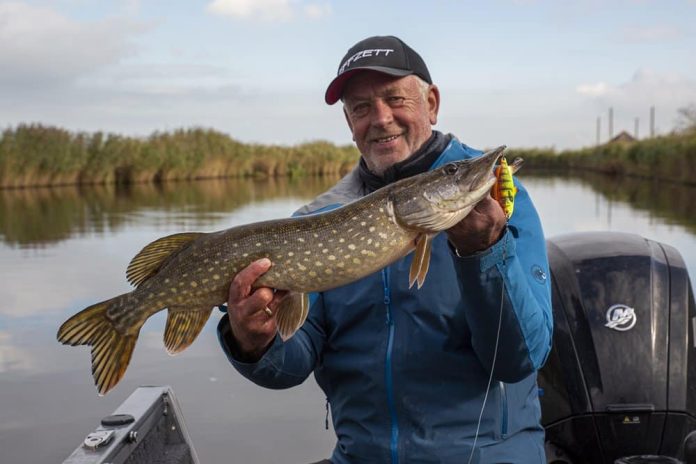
(620,383)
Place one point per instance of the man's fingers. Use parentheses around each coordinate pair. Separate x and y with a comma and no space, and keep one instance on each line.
(258,300)
(277,298)
(242,282)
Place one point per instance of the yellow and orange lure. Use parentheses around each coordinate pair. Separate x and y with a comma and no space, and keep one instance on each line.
(504,190)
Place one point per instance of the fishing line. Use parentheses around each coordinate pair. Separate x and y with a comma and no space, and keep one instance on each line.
(495,351)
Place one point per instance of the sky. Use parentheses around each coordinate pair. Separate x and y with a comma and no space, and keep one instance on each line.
(524,73)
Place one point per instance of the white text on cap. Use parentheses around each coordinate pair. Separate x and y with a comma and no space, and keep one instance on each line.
(364,54)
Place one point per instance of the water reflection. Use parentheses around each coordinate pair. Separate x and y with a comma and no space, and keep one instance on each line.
(671,203)
(43,216)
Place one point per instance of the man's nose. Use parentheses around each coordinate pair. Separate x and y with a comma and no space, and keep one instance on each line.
(381,113)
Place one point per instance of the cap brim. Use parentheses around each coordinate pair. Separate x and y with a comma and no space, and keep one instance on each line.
(335,88)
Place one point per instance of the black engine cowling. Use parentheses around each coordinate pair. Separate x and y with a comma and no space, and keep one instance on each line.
(620,380)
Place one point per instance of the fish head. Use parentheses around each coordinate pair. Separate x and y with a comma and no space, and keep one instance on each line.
(438,199)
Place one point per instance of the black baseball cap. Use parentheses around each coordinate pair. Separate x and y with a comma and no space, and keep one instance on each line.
(385,54)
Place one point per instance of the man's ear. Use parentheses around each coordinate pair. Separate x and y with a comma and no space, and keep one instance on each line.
(433,101)
(350,124)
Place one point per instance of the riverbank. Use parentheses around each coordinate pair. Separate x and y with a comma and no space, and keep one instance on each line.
(666,158)
(36,155)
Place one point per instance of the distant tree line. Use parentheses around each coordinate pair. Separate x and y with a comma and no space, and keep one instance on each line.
(38,155)
(670,157)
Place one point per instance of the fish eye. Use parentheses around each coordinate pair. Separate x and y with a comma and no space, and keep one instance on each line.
(451,168)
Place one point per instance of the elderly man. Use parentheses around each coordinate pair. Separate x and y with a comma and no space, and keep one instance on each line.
(446,373)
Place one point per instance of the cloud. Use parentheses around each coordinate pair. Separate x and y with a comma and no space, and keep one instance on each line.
(317,10)
(269,10)
(644,85)
(666,91)
(41,48)
(13,358)
(593,90)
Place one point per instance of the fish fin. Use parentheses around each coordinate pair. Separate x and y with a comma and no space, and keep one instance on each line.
(429,219)
(421,260)
(183,326)
(150,259)
(291,313)
(111,350)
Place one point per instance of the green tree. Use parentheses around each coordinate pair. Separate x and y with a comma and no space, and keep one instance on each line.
(686,119)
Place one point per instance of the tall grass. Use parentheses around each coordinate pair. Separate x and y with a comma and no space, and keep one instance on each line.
(37,155)
(670,157)
(34,155)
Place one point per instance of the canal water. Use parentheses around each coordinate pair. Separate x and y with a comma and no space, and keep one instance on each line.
(62,249)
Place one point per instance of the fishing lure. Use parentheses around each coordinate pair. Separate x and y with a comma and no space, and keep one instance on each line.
(504,190)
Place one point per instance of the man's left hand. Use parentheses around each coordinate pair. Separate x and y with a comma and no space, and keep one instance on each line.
(480,229)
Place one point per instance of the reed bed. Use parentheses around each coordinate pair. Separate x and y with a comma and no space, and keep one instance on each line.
(38,155)
(667,158)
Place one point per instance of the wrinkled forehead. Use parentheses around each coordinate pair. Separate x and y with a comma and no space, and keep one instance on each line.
(369,84)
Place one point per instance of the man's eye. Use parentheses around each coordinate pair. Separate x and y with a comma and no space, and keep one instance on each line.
(396,101)
(360,109)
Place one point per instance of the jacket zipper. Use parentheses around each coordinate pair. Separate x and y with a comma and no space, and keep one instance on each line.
(394,438)
(326,419)
(504,412)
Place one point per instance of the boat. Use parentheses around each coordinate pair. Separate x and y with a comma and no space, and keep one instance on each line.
(148,427)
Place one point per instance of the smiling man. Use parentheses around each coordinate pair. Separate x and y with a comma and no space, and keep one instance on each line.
(445,373)
(390,119)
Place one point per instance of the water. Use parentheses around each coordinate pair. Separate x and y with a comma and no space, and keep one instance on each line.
(62,249)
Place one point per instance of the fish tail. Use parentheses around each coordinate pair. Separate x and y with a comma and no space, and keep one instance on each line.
(111,350)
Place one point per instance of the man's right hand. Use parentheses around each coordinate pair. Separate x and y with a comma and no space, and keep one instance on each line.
(252,326)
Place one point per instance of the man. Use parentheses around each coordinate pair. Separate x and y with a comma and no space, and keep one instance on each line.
(446,373)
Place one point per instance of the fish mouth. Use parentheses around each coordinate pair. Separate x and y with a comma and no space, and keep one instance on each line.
(482,168)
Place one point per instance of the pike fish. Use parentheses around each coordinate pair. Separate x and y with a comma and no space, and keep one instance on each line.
(190,273)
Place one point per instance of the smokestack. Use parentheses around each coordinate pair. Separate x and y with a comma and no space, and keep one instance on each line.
(599,128)
(611,123)
(652,121)
(635,131)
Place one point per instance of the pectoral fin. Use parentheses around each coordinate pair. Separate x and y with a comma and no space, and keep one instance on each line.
(183,326)
(291,313)
(421,260)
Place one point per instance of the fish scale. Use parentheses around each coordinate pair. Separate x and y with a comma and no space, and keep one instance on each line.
(190,273)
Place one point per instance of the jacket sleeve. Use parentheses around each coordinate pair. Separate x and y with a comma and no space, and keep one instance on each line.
(507,296)
(285,364)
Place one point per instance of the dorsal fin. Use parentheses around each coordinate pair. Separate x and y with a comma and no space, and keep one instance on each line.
(146,263)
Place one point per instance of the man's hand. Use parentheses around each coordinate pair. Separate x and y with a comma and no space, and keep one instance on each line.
(253,327)
(480,229)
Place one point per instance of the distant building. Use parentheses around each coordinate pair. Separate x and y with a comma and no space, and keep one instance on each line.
(623,136)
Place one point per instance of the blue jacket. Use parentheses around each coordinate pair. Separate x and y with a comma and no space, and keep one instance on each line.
(406,371)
